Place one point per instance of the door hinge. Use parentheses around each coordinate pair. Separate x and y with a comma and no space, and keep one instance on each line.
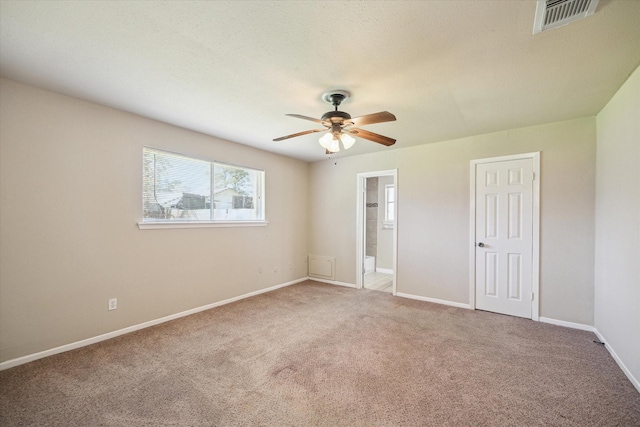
(533,176)
(532,296)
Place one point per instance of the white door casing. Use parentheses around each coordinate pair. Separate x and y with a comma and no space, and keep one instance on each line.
(360,224)
(504,238)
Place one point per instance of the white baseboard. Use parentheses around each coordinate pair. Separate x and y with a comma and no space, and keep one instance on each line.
(566,324)
(619,361)
(83,343)
(434,300)
(384,270)
(589,328)
(332,282)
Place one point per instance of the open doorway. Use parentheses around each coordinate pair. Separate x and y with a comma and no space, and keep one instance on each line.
(377,203)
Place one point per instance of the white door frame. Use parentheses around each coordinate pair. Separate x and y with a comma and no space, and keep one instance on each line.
(535,266)
(360,224)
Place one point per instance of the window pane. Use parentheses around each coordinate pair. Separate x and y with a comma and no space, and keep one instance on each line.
(389,203)
(179,188)
(236,194)
(175,187)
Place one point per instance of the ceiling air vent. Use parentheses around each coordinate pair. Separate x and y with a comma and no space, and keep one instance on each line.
(556,13)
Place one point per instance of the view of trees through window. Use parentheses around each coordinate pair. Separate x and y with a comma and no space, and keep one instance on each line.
(180,188)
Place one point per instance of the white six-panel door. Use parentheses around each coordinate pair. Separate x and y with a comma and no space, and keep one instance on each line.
(504,237)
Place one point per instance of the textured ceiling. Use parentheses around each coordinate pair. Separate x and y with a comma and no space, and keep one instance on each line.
(446,69)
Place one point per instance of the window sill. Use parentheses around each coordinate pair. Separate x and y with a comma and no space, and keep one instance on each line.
(151,225)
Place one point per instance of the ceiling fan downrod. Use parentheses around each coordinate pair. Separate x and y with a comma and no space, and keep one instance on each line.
(336,100)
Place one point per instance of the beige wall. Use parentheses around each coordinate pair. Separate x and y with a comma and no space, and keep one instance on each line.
(70,177)
(617,254)
(433,213)
(71,196)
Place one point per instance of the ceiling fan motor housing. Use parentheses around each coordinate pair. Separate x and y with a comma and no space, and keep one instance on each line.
(335,116)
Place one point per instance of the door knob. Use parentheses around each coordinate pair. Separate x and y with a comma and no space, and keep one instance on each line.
(481,244)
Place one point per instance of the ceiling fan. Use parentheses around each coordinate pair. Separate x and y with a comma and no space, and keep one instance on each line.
(340,126)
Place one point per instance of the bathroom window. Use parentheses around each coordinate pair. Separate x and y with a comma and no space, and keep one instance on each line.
(389,206)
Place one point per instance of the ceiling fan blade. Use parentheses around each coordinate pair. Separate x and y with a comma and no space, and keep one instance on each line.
(380,139)
(304,118)
(293,135)
(369,119)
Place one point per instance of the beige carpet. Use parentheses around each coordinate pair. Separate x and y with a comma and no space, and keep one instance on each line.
(317,354)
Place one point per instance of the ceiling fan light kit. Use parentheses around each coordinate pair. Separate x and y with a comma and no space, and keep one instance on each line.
(347,141)
(339,125)
(331,142)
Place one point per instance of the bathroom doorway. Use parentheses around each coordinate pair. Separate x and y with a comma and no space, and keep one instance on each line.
(377,230)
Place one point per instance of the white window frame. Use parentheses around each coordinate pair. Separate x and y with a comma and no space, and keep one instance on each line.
(153,223)
(388,223)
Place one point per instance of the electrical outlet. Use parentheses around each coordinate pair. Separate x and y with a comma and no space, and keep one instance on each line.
(259,269)
(275,269)
(113,303)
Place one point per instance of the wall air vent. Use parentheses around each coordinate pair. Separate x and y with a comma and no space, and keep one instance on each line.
(556,13)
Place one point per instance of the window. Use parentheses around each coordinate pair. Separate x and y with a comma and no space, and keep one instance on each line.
(389,206)
(177,188)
